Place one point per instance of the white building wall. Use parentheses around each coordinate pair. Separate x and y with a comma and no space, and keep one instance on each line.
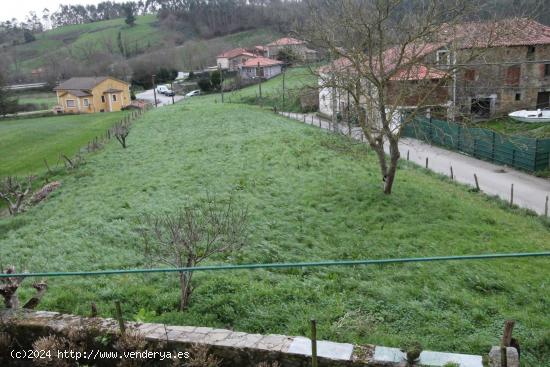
(223,62)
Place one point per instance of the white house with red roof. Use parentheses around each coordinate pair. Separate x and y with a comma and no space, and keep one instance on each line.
(232,59)
(260,67)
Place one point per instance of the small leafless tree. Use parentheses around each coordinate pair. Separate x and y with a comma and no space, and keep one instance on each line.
(10,285)
(121,131)
(193,234)
(14,192)
(393,59)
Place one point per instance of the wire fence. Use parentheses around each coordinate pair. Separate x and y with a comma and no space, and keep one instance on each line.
(327,263)
(529,154)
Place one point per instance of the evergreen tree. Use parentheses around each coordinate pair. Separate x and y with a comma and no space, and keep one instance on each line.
(130,17)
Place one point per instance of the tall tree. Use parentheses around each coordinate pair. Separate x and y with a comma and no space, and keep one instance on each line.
(380,51)
(130,17)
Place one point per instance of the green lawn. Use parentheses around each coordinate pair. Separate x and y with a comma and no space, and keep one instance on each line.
(509,126)
(297,79)
(311,196)
(25,143)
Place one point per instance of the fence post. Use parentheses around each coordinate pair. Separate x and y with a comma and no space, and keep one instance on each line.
(119,317)
(546,207)
(512,195)
(314,343)
(477,182)
(408,154)
(452,174)
(426,162)
(493,147)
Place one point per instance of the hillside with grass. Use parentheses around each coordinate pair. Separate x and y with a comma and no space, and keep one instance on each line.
(113,40)
(80,40)
(311,196)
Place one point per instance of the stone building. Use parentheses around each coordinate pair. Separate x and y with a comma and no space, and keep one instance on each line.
(492,68)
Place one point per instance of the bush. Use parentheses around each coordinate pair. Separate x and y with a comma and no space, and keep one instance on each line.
(205,84)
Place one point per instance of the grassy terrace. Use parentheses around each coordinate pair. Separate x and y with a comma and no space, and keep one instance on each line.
(311,197)
(509,126)
(296,80)
(25,143)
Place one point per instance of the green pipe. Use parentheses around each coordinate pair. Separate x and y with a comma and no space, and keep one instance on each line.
(279,265)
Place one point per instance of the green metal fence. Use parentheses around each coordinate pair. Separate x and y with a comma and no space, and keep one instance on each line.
(521,152)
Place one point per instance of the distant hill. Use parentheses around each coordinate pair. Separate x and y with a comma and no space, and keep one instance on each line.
(113,46)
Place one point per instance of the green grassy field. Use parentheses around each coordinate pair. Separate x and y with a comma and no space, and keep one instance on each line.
(311,196)
(509,126)
(296,80)
(25,143)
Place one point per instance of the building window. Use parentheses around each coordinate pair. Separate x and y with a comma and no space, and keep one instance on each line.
(71,103)
(86,102)
(442,57)
(530,52)
(546,69)
(513,74)
(518,96)
(102,99)
(114,97)
(470,74)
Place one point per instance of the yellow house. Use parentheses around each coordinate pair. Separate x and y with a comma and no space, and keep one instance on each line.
(93,94)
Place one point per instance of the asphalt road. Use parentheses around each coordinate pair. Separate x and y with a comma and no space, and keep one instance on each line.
(148,95)
(529,191)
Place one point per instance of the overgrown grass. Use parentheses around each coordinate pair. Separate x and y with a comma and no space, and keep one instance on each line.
(510,126)
(297,80)
(25,143)
(311,196)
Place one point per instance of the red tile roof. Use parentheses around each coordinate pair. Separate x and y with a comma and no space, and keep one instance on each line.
(234,53)
(505,32)
(286,41)
(262,61)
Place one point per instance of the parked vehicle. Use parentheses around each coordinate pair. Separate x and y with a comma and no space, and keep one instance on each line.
(169,93)
(162,89)
(531,116)
(193,93)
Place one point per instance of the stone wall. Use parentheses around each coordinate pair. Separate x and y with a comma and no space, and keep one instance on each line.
(235,348)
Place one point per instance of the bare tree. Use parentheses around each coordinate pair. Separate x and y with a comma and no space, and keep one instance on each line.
(390,60)
(14,192)
(121,131)
(193,234)
(10,285)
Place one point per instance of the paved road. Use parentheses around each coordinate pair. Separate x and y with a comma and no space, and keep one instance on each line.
(529,191)
(148,95)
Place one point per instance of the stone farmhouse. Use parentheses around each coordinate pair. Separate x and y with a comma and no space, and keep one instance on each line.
(511,70)
(296,46)
(92,94)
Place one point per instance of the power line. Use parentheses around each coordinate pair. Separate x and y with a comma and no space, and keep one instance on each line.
(279,265)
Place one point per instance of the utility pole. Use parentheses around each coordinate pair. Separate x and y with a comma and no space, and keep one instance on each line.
(172,89)
(221,78)
(259,85)
(154,89)
(284,72)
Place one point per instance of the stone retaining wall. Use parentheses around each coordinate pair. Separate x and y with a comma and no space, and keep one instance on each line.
(235,348)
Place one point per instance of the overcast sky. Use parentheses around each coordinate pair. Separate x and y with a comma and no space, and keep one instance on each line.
(20,8)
